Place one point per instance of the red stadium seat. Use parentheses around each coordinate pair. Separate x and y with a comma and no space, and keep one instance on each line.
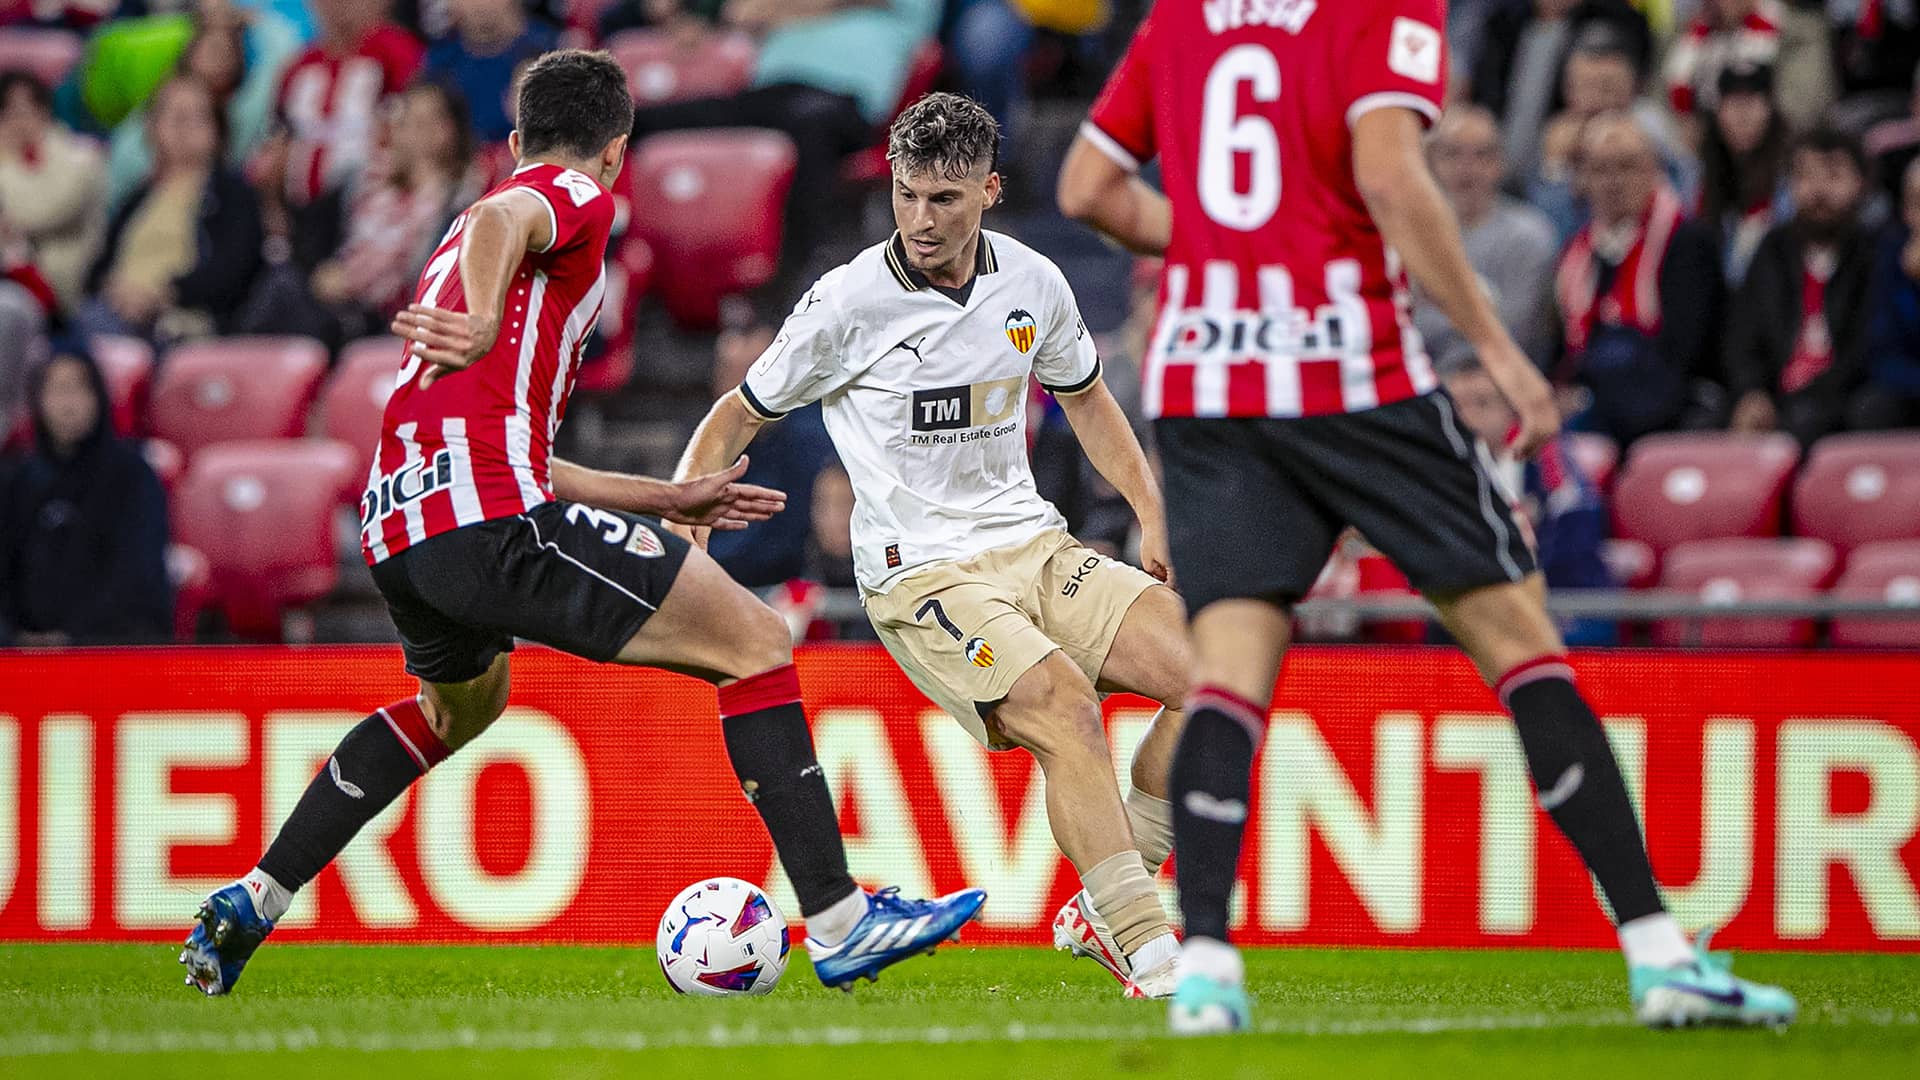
(1746,568)
(1631,562)
(262,512)
(1702,486)
(126,363)
(235,388)
(710,205)
(923,70)
(1380,579)
(1859,488)
(1596,455)
(1884,570)
(192,582)
(355,397)
(47,54)
(660,69)
(166,461)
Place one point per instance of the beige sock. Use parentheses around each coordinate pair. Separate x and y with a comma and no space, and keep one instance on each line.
(1125,897)
(1152,821)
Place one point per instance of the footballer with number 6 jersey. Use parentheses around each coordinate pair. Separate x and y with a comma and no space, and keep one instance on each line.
(1294,399)
(920,351)
(477,536)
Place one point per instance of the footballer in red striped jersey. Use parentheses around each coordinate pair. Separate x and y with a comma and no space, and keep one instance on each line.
(478,536)
(1293,399)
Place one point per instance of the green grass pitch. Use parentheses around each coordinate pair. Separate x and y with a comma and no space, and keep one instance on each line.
(422,1013)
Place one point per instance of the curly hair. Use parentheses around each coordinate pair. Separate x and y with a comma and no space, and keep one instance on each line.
(944,134)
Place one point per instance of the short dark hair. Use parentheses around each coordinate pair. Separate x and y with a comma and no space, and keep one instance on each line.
(573,102)
(946,134)
(1825,139)
(14,78)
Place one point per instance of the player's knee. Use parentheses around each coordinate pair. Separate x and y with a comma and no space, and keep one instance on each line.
(763,641)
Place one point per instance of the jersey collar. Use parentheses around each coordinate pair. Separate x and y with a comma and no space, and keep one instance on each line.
(913,280)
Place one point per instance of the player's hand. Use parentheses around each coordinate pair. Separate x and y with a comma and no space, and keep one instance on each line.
(1527,391)
(1155,555)
(719,501)
(697,535)
(444,341)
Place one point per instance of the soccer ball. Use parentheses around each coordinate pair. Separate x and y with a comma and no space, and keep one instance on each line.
(722,936)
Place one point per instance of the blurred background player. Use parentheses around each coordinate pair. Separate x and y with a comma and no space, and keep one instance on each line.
(919,351)
(477,536)
(1293,398)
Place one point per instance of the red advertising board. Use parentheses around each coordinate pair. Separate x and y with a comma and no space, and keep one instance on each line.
(1782,793)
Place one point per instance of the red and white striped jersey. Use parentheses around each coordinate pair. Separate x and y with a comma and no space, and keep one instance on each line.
(1279,297)
(474,446)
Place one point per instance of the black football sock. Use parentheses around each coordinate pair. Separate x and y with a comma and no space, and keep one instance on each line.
(377,761)
(772,753)
(1579,782)
(1212,782)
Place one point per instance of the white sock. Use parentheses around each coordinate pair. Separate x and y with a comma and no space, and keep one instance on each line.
(1655,941)
(1215,960)
(270,898)
(1154,953)
(831,927)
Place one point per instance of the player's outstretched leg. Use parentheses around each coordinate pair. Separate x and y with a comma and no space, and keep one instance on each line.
(1672,983)
(710,626)
(374,763)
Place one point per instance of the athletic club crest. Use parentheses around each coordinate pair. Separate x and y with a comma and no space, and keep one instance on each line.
(1020,329)
(642,542)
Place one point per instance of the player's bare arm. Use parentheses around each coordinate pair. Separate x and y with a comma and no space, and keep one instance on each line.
(1094,189)
(711,499)
(721,437)
(1108,439)
(500,231)
(1390,169)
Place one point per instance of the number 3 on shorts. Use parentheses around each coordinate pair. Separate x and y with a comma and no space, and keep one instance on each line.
(940,616)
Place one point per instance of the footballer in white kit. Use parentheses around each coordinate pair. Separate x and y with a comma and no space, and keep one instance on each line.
(920,351)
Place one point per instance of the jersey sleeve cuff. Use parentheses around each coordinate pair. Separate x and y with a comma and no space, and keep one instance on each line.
(1109,146)
(1080,387)
(1392,99)
(753,405)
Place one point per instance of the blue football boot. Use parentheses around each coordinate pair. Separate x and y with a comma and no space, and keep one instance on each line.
(891,931)
(223,940)
(1706,992)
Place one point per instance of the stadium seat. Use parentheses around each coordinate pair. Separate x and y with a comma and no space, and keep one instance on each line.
(1702,486)
(1379,579)
(262,513)
(1883,570)
(661,69)
(46,53)
(1859,488)
(710,204)
(235,388)
(166,461)
(355,397)
(1746,568)
(188,573)
(1631,562)
(1596,455)
(126,363)
(870,166)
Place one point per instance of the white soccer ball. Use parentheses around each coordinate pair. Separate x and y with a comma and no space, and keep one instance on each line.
(723,936)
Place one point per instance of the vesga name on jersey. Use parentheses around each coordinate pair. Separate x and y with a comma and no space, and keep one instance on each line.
(963,410)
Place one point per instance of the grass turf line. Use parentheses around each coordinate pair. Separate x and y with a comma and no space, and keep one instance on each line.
(596,1012)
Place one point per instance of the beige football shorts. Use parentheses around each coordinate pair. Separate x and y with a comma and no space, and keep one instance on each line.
(966,631)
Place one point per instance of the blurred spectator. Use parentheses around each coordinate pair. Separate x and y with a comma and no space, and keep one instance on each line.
(238,54)
(785,456)
(1796,336)
(52,190)
(686,17)
(181,254)
(1512,246)
(83,523)
(328,108)
(1893,144)
(1550,495)
(395,215)
(1743,166)
(829,564)
(830,74)
(1639,292)
(63,14)
(26,306)
(988,42)
(489,42)
(1877,42)
(1728,32)
(1891,397)
(1522,53)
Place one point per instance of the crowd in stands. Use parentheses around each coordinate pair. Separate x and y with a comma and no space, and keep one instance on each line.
(1695,215)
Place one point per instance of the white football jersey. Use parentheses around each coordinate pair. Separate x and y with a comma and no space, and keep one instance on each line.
(924,392)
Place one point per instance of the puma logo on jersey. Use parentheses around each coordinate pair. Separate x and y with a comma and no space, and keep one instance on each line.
(912,347)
